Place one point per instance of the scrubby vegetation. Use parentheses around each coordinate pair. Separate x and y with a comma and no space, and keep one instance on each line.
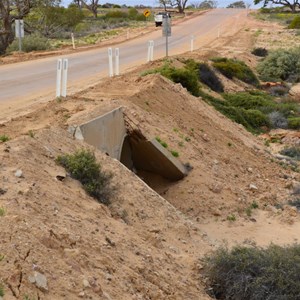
(34,42)
(281,64)
(187,76)
(293,152)
(250,273)
(233,68)
(256,110)
(294,122)
(262,52)
(82,165)
(295,24)
(4,138)
(208,77)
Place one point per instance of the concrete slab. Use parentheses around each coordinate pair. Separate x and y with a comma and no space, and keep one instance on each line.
(151,156)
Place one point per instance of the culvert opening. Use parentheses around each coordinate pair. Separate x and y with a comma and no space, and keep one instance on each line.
(141,156)
(147,158)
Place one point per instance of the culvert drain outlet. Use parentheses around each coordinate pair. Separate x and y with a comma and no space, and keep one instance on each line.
(108,134)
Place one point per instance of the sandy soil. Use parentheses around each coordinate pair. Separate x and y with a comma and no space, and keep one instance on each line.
(148,243)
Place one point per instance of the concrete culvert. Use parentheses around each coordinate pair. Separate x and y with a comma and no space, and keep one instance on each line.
(147,158)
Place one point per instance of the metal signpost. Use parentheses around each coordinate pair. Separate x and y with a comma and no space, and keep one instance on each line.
(166,31)
(147,14)
(19,32)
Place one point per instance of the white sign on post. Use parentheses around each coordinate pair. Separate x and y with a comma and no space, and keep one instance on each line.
(166,26)
(62,77)
(19,28)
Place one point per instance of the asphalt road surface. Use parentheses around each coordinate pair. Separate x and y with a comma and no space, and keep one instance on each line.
(37,78)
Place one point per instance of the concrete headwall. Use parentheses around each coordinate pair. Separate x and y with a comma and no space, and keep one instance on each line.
(106,132)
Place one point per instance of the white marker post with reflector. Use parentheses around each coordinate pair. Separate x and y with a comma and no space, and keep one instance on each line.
(110,62)
(150,51)
(64,77)
(58,77)
(192,43)
(117,61)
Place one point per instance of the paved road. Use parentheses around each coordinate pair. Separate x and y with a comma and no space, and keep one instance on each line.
(33,79)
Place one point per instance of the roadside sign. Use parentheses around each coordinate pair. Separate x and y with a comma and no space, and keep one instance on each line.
(166,26)
(147,13)
(19,28)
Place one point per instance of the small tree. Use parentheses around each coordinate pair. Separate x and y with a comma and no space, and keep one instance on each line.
(9,12)
(207,4)
(292,4)
(237,4)
(91,5)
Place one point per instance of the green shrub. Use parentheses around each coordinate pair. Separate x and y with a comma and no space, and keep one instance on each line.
(295,24)
(1,291)
(4,138)
(164,144)
(116,14)
(294,123)
(255,118)
(295,203)
(33,42)
(2,211)
(281,64)
(174,153)
(231,218)
(233,68)
(208,77)
(185,77)
(293,152)
(261,52)
(83,166)
(249,100)
(250,273)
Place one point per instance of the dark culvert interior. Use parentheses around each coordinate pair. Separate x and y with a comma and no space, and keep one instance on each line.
(148,162)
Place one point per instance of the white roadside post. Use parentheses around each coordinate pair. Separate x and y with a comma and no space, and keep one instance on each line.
(110,62)
(58,77)
(218,32)
(73,40)
(117,61)
(151,50)
(192,42)
(64,77)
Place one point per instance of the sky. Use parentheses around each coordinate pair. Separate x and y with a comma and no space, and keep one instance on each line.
(221,3)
